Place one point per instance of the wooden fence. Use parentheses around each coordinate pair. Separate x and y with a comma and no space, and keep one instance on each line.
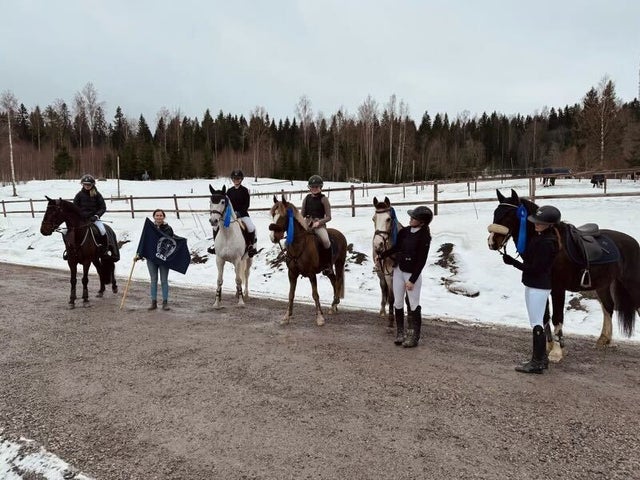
(32,206)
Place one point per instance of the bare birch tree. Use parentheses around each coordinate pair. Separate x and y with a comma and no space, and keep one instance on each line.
(367,113)
(304,113)
(9,105)
(391,112)
(258,126)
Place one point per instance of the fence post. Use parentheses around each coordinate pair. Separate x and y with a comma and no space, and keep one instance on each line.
(435,198)
(468,189)
(352,195)
(4,209)
(604,184)
(175,202)
(131,203)
(403,192)
(33,214)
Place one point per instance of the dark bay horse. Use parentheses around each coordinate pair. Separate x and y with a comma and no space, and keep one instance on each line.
(302,255)
(82,246)
(386,227)
(617,284)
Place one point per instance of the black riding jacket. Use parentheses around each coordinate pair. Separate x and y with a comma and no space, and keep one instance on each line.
(538,257)
(240,199)
(316,207)
(411,249)
(89,204)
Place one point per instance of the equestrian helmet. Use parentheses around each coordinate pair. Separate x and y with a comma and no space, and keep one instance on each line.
(315,181)
(87,180)
(422,214)
(237,173)
(545,215)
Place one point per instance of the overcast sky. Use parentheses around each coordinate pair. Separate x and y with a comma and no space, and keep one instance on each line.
(447,56)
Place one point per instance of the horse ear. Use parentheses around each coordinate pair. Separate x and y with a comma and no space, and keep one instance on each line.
(387,201)
(211,189)
(284,200)
(375,201)
(47,198)
(501,197)
(514,196)
(275,200)
(224,189)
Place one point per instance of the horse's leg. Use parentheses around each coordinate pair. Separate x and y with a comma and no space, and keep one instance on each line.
(316,298)
(391,299)
(220,264)
(293,281)
(85,283)
(73,280)
(101,269)
(245,277)
(556,343)
(383,294)
(607,304)
(112,272)
(239,266)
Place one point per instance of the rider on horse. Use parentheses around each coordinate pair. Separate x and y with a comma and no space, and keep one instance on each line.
(316,209)
(241,200)
(92,205)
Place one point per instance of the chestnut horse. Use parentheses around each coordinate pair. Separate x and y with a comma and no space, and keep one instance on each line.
(302,255)
(82,246)
(616,283)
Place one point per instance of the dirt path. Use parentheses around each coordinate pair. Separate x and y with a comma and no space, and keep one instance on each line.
(195,393)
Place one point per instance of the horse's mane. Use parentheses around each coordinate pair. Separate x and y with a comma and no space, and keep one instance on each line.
(67,206)
(296,213)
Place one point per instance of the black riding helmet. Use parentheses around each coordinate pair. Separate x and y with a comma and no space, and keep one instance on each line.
(422,214)
(315,181)
(237,173)
(545,215)
(88,179)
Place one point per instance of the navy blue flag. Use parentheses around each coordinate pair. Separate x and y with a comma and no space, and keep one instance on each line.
(162,249)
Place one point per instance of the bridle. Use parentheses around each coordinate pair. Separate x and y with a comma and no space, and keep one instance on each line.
(385,235)
(496,228)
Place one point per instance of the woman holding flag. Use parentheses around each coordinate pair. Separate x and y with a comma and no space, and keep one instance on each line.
(155,266)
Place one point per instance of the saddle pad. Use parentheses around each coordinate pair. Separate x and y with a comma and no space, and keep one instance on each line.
(610,252)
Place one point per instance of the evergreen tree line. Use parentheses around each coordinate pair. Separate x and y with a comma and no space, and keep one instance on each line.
(377,144)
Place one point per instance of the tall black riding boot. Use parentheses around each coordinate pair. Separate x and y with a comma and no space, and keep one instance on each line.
(536,364)
(399,313)
(251,239)
(325,260)
(415,325)
(212,248)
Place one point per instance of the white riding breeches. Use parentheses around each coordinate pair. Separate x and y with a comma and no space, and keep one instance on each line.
(248,223)
(323,235)
(399,290)
(536,301)
(100,225)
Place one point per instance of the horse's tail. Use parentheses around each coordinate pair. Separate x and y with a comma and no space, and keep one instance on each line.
(106,270)
(626,303)
(341,260)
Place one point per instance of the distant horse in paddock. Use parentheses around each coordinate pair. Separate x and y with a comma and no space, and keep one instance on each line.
(386,227)
(82,246)
(302,255)
(598,180)
(606,261)
(230,244)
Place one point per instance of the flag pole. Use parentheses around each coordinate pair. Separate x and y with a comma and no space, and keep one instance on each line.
(126,289)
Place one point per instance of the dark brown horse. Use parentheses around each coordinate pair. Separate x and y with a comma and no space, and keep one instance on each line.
(303,257)
(617,283)
(82,246)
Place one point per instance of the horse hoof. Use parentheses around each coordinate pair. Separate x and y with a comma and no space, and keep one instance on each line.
(114,289)
(284,321)
(217,306)
(556,354)
(320,321)
(603,342)
(99,295)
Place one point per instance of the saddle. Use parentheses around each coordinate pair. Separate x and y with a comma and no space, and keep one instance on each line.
(587,246)
(108,242)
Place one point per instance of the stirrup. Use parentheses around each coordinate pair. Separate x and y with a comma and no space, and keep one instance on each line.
(211,250)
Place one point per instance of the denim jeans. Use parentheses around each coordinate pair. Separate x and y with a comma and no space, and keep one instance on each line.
(164,280)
